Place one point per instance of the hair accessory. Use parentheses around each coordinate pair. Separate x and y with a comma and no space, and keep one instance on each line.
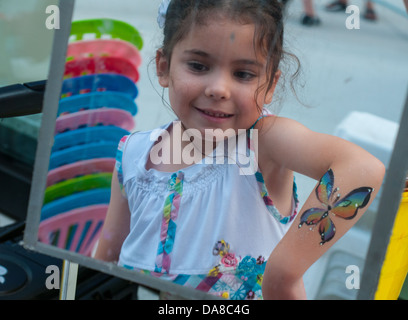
(161,18)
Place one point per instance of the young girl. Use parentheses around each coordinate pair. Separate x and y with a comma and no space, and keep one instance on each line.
(211,225)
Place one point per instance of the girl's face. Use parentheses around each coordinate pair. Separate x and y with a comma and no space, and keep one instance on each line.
(214,75)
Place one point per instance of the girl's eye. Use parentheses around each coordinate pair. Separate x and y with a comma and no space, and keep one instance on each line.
(197,66)
(244,75)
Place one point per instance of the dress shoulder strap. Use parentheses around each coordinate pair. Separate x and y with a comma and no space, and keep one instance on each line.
(262,186)
(118,162)
(263,115)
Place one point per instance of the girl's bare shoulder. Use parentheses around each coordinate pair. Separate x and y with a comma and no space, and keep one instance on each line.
(280,131)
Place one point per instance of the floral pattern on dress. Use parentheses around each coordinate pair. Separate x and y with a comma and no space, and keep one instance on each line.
(238,278)
(233,278)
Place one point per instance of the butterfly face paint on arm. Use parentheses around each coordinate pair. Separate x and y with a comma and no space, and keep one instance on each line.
(345,208)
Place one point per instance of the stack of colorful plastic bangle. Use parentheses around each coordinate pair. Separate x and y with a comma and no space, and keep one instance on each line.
(96,110)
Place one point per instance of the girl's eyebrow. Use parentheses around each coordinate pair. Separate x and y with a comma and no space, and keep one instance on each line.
(251,62)
(197,52)
(241,61)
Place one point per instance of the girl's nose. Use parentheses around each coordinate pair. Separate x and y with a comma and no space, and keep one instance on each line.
(218,88)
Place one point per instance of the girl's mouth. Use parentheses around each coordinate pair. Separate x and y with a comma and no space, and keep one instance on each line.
(215,114)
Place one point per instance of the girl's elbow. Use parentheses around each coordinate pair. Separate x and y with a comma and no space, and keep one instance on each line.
(366,166)
(375,170)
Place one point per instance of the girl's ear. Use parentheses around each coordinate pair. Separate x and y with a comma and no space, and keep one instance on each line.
(269,94)
(162,68)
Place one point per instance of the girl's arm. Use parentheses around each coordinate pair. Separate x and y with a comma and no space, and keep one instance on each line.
(116,226)
(328,213)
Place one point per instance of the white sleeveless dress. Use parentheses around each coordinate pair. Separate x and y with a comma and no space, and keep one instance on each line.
(207,226)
